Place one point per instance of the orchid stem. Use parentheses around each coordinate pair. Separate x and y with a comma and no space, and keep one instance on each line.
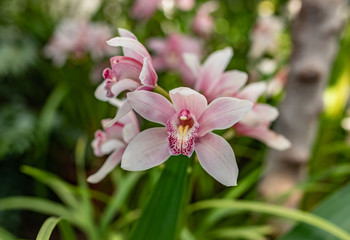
(162,92)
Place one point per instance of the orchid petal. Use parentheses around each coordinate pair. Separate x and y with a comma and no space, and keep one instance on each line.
(232,81)
(100,92)
(260,113)
(186,98)
(213,67)
(110,145)
(148,149)
(222,113)
(267,136)
(123,110)
(126,33)
(217,158)
(131,47)
(110,163)
(148,75)
(152,106)
(129,132)
(124,84)
(252,91)
(193,63)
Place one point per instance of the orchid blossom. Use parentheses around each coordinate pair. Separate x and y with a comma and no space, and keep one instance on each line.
(257,122)
(168,54)
(132,72)
(203,23)
(188,123)
(144,9)
(265,35)
(77,38)
(213,82)
(113,141)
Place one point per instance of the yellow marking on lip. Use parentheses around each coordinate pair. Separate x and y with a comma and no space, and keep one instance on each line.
(183,130)
(186,129)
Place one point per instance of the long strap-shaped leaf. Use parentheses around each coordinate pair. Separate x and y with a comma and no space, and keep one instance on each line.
(162,215)
(47,228)
(335,209)
(293,214)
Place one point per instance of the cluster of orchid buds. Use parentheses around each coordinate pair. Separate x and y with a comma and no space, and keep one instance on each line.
(218,99)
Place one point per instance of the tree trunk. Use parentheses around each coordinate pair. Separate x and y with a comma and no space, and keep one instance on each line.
(315,39)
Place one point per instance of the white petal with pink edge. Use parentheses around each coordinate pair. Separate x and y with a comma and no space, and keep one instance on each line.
(110,163)
(222,113)
(148,149)
(186,98)
(217,158)
(152,106)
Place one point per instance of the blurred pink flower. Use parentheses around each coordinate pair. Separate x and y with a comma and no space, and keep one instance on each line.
(168,54)
(113,141)
(188,122)
(144,9)
(76,38)
(265,36)
(278,82)
(203,23)
(131,72)
(213,82)
(257,122)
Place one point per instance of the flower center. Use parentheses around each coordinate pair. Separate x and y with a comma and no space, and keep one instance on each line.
(182,130)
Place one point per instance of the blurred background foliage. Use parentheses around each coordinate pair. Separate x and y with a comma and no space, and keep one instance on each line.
(48,116)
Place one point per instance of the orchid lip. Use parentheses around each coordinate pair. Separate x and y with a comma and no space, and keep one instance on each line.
(182,130)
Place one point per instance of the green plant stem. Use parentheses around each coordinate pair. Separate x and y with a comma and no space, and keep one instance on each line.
(162,92)
(293,214)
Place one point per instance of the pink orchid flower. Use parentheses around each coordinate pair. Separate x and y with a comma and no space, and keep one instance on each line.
(211,79)
(265,36)
(188,122)
(112,141)
(144,9)
(257,122)
(169,51)
(132,72)
(76,38)
(213,82)
(203,23)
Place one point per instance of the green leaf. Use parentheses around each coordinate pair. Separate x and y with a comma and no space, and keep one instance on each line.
(66,230)
(118,199)
(5,235)
(63,190)
(161,218)
(335,209)
(293,214)
(34,204)
(249,232)
(47,228)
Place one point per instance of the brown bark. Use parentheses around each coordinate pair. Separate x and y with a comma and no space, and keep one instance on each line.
(315,39)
